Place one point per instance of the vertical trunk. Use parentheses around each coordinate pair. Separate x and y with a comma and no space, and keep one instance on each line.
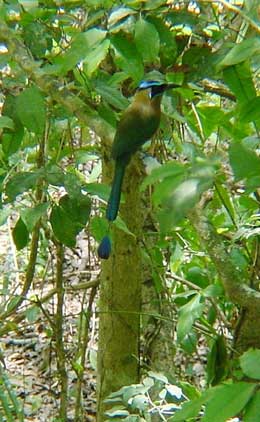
(120,298)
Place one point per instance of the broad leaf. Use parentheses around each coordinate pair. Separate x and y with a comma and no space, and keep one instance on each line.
(227,401)
(69,218)
(20,235)
(93,59)
(241,52)
(31,216)
(127,57)
(6,122)
(250,111)
(112,95)
(217,361)
(77,209)
(189,410)
(244,162)
(21,182)
(31,109)
(147,40)
(239,78)
(253,409)
(62,228)
(249,363)
(188,315)
(81,46)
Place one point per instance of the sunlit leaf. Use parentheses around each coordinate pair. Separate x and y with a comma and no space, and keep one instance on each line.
(249,363)
(241,52)
(227,401)
(147,40)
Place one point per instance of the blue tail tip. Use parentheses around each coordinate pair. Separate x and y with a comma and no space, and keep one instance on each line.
(104,249)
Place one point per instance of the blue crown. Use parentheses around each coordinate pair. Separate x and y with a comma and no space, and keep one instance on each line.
(149,84)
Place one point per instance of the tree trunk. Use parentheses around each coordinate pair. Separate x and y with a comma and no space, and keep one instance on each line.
(120,298)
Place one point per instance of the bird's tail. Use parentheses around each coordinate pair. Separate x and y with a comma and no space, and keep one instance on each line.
(104,249)
(115,194)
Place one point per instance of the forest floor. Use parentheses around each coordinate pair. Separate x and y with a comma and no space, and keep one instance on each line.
(27,350)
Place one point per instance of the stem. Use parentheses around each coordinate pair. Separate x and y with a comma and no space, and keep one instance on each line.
(30,270)
(60,350)
(85,327)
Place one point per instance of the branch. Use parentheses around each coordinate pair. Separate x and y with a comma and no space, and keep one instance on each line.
(233,281)
(217,88)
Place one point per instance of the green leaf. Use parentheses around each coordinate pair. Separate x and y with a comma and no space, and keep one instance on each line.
(77,209)
(127,57)
(158,377)
(20,235)
(55,175)
(31,109)
(217,361)
(93,59)
(253,409)
(249,363)
(140,402)
(213,290)
(182,199)
(168,46)
(147,40)
(98,189)
(225,198)
(37,38)
(111,95)
(240,80)
(4,214)
(170,169)
(189,410)
(82,45)
(227,401)
(32,313)
(13,133)
(118,14)
(210,117)
(241,52)
(31,216)
(21,182)
(69,218)
(244,162)
(6,122)
(120,224)
(98,227)
(11,141)
(187,316)
(62,228)
(250,111)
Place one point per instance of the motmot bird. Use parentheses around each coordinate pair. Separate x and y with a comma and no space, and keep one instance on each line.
(137,125)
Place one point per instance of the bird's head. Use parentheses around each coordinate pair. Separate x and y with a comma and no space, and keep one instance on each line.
(155,88)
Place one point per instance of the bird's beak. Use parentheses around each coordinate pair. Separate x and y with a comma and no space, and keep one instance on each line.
(170,86)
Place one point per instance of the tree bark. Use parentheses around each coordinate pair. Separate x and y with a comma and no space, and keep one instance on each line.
(120,296)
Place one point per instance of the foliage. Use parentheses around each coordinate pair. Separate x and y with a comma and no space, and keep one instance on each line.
(10,407)
(67,69)
(157,397)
